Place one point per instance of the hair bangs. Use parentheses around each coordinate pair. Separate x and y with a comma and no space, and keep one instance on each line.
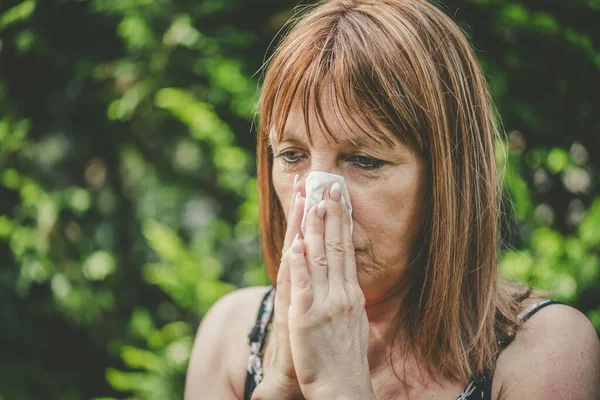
(394,71)
(322,73)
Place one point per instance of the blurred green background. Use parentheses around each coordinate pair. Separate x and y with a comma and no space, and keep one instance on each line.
(128,199)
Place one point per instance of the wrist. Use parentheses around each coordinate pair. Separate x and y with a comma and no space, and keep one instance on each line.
(267,394)
(355,396)
(271,388)
(347,393)
(352,397)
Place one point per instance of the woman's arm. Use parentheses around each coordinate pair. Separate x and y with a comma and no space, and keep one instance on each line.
(556,357)
(219,357)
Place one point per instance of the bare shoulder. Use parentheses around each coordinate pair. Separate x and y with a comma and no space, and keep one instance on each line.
(556,356)
(220,353)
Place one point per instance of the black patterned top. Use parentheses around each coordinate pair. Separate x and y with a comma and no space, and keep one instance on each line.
(479,387)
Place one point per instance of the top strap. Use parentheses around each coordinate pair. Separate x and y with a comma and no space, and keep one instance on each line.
(257,340)
(532,309)
(523,316)
(263,317)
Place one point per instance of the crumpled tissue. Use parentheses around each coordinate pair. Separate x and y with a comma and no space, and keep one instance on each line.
(316,183)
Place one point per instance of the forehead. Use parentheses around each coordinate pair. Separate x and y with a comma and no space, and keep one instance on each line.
(328,122)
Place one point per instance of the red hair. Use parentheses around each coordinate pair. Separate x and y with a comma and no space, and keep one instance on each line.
(404,70)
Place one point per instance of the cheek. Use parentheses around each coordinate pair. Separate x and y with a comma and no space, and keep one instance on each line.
(282,183)
(280,188)
(379,220)
(386,217)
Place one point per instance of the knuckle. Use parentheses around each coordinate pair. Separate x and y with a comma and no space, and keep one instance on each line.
(358,296)
(288,253)
(305,299)
(349,247)
(347,300)
(297,260)
(318,261)
(283,377)
(334,210)
(317,228)
(345,304)
(283,259)
(335,247)
(316,225)
(335,308)
(360,301)
(303,284)
(301,303)
(339,305)
(280,320)
(282,281)
(283,278)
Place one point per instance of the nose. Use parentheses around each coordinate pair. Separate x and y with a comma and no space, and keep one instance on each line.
(325,165)
(301,185)
(323,160)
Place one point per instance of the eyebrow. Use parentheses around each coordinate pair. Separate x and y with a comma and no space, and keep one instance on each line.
(344,143)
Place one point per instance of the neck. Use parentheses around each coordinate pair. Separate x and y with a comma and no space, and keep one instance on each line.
(382,313)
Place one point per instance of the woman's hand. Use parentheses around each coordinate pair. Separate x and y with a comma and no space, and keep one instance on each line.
(328,324)
(280,381)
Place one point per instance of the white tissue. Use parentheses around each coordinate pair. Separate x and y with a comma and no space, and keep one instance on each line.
(316,183)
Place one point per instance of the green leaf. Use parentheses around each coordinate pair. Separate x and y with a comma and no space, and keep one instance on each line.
(557,160)
(18,13)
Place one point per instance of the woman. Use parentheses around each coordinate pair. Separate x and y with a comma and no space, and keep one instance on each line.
(387,94)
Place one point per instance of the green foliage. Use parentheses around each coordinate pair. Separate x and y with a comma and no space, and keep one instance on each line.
(128,197)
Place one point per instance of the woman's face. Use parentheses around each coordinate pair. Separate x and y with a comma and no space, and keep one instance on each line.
(387,187)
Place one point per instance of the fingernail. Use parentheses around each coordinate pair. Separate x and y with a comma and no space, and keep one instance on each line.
(295,181)
(296,245)
(335,192)
(321,209)
(343,201)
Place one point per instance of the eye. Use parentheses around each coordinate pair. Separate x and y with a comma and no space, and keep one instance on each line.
(362,162)
(366,163)
(290,157)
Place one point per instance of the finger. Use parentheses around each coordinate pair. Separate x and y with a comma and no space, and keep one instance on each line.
(302,287)
(294,221)
(350,271)
(282,296)
(281,355)
(333,239)
(315,250)
(292,196)
(296,211)
(283,274)
(293,227)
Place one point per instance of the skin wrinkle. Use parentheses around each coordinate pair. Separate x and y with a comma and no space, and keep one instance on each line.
(323,162)
(392,80)
(372,267)
(349,145)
